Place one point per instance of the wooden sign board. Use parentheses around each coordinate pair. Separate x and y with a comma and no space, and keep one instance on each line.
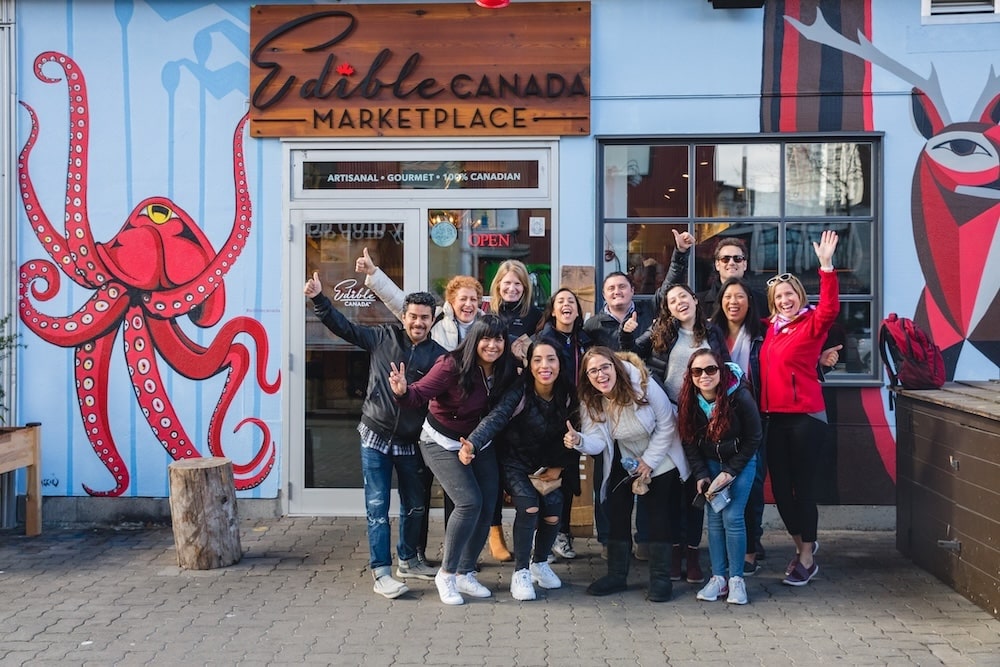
(422,70)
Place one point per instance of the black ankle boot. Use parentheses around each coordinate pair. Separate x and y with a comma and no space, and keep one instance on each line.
(616,580)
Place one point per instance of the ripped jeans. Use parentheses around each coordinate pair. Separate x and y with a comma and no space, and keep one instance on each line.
(376,468)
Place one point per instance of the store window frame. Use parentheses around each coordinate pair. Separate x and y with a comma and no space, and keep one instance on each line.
(874,375)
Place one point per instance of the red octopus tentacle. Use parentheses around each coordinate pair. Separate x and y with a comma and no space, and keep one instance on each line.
(96,318)
(199,363)
(93,359)
(149,388)
(179,301)
(78,233)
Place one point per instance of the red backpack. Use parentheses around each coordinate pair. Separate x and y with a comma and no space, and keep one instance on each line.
(910,356)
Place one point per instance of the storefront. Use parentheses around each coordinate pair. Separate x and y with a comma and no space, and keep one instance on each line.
(221,152)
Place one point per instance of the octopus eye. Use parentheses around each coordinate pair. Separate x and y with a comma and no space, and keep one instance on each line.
(159,213)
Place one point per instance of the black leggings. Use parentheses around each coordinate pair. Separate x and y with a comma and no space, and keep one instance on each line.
(620,501)
(793,459)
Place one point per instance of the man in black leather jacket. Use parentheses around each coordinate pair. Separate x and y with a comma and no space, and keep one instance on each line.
(389,432)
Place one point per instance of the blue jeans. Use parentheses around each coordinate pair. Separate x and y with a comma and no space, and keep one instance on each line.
(473,488)
(727,533)
(376,468)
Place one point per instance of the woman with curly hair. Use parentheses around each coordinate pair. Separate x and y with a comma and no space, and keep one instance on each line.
(721,430)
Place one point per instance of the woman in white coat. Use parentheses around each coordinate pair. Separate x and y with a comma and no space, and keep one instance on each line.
(631,422)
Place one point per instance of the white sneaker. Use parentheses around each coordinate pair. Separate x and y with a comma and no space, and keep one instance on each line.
(520,586)
(447,588)
(543,575)
(388,587)
(563,546)
(715,587)
(737,591)
(468,584)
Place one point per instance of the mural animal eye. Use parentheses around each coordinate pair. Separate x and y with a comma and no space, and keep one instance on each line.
(159,213)
(967,157)
(962,147)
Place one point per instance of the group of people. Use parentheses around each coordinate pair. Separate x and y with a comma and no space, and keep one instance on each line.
(674,406)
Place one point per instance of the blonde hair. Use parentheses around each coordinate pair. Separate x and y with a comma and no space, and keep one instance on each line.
(521,271)
(457,283)
(796,285)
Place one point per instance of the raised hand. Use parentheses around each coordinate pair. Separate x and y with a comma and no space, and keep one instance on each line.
(683,240)
(397,378)
(572,437)
(632,323)
(313,286)
(364,264)
(825,248)
(467,452)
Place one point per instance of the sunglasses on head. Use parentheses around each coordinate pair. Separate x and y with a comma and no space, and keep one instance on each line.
(783,278)
(707,370)
(725,259)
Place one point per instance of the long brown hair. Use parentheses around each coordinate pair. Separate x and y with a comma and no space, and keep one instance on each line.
(622,394)
(664,331)
(718,424)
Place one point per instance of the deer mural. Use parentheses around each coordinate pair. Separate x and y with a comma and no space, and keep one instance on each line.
(955,204)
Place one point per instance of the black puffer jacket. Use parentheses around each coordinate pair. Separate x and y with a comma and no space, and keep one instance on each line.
(658,362)
(739,444)
(387,343)
(605,330)
(532,438)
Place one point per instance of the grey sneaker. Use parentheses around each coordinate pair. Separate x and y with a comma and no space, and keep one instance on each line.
(388,587)
(715,587)
(414,569)
(737,591)
(563,546)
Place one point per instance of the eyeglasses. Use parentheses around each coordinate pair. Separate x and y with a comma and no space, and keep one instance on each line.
(600,370)
(783,278)
(707,370)
(725,259)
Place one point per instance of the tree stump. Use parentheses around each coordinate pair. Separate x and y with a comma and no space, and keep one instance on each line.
(203,513)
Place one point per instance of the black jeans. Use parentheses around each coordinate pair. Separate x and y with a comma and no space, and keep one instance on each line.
(620,501)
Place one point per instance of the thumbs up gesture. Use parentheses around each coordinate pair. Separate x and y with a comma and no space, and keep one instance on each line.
(572,437)
(467,452)
(364,264)
(683,240)
(632,323)
(313,286)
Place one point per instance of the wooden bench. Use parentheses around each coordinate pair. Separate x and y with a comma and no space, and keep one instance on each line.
(22,448)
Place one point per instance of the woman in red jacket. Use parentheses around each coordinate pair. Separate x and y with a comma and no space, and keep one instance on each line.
(792,400)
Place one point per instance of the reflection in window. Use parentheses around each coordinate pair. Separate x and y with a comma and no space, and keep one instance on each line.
(828,179)
(776,195)
(646,181)
(737,180)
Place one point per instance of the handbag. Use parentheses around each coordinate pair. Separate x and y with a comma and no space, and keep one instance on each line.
(545,486)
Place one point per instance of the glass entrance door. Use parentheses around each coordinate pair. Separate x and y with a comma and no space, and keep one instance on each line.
(330,375)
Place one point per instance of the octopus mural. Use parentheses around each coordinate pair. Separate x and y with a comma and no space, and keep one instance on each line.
(159,268)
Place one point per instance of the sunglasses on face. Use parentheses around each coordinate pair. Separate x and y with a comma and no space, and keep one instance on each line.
(725,259)
(707,370)
(783,278)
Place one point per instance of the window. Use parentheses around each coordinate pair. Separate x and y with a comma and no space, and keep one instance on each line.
(774,194)
(959,11)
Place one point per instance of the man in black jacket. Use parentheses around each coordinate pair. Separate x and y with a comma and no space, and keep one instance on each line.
(389,432)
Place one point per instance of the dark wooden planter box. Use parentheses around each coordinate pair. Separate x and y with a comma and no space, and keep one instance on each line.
(948,486)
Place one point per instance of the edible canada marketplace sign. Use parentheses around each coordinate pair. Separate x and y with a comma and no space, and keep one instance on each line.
(420,70)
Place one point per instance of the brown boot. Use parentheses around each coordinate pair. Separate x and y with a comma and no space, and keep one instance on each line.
(694,573)
(498,548)
(676,560)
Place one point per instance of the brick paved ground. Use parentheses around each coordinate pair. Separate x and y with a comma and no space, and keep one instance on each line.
(302,594)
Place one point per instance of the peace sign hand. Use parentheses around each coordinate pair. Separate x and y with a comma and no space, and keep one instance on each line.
(397,378)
